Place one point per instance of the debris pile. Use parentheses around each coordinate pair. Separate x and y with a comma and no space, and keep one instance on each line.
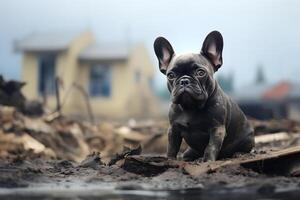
(11,95)
(55,149)
(62,138)
(274,126)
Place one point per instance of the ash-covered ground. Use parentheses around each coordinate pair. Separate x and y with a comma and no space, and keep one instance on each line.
(53,157)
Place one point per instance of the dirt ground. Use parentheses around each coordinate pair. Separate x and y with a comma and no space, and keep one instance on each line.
(42,158)
(58,179)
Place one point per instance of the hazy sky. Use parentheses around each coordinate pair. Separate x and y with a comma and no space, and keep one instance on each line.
(265,32)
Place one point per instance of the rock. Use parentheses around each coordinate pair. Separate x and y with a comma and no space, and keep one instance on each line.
(92,161)
(126,152)
(33,108)
(10,93)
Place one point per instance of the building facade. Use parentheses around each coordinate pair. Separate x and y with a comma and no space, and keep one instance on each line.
(270,101)
(114,80)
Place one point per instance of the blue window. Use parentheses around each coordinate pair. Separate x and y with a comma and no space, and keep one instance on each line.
(100,80)
(46,80)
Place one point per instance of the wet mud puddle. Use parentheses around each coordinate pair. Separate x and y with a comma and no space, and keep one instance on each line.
(138,177)
(100,191)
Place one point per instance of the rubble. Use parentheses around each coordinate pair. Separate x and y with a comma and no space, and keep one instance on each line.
(56,149)
(126,152)
(55,136)
(275,126)
(93,161)
(62,138)
(11,95)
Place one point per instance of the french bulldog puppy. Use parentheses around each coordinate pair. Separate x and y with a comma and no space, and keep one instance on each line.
(210,122)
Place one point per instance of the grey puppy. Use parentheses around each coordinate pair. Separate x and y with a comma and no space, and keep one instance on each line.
(212,125)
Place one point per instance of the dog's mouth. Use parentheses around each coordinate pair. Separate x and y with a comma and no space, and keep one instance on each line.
(186,91)
(188,95)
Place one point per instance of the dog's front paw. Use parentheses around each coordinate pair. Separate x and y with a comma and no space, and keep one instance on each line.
(171,157)
(208,156)
(198,160)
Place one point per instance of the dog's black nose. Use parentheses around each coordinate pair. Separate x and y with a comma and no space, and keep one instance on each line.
(184,82)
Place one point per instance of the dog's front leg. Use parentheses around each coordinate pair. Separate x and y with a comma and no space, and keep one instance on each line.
(174,142)
(214,146)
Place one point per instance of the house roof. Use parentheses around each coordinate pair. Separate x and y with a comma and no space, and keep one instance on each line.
(278,91)
(96,52)
(50,41)
(250,92)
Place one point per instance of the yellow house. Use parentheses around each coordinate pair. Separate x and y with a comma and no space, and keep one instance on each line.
(114,81)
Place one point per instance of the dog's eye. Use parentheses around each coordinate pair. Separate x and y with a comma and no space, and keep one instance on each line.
(171,75)
(200,72)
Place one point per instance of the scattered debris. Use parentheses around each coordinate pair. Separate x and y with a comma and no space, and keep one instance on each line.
(56,149)
(126,152)
(282,162)
(61,138)
(275,126)
(93,161)
(33,108)
(272,137)
(11,95)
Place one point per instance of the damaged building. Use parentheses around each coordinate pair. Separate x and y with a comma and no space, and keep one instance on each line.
(110,80)
(267,101)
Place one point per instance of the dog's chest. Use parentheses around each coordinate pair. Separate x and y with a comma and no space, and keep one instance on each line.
(193,128)
(190,123)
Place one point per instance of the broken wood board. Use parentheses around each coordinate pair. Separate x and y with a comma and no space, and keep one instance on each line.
(272,137)
(281,162)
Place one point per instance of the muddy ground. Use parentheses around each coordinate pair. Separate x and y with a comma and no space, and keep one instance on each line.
(58,179)
(58,158)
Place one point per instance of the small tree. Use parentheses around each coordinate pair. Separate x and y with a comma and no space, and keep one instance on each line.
(260,75)
(226,82)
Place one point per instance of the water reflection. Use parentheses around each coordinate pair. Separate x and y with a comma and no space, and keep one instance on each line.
(187,194)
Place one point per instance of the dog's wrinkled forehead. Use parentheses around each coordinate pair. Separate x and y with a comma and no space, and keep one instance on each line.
(188,61)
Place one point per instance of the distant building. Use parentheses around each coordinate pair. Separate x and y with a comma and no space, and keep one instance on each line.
(117,79)
(267,101)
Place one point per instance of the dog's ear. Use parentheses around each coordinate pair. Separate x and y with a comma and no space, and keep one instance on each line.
(164,52)
(212,48)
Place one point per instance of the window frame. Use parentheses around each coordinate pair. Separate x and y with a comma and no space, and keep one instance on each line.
(107,77)
(43,90)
